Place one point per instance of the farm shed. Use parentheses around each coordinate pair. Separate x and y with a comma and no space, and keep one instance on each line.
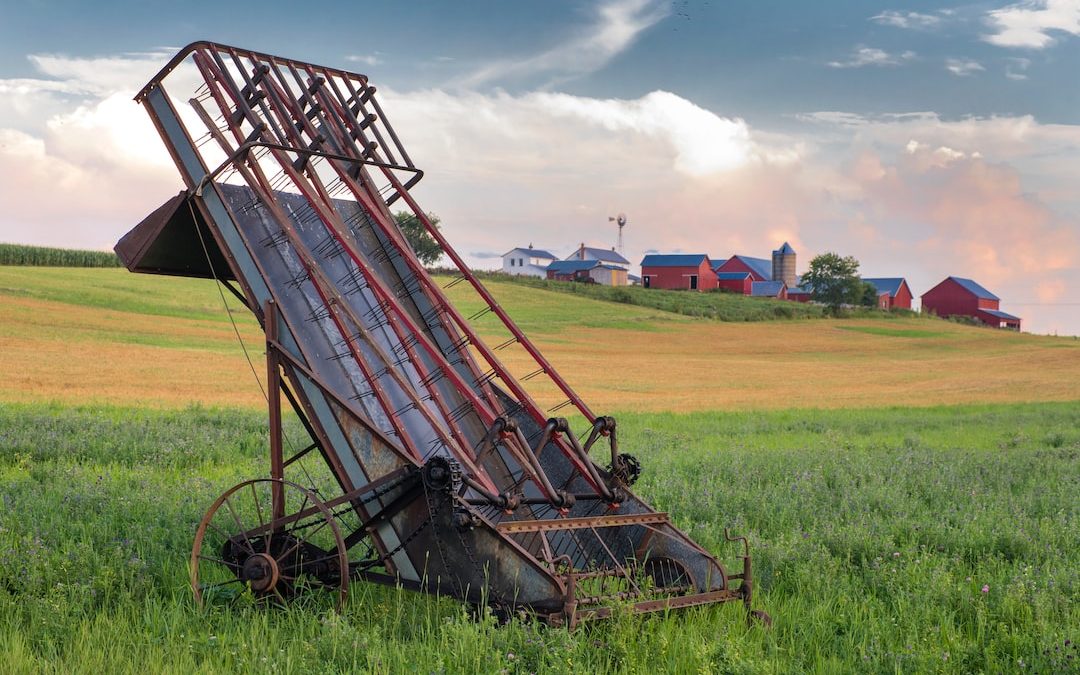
(590,271)
(956,296)
(691,271)
(800,294)
(896,289)
(736,282)
(769,289)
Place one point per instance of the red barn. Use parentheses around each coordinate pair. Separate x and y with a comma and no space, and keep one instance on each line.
(800,294)
(759,268)
(736,282)
(896,289)
(684,271)
(963,297)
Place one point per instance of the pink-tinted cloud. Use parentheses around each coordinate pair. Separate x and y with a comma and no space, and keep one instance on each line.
(909,195)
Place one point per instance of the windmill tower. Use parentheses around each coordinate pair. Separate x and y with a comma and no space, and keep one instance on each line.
(620,220)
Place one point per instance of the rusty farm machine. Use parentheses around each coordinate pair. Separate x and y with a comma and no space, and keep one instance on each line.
(431,462)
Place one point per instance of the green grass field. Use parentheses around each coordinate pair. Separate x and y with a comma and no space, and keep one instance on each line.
(874,534)
(886,472)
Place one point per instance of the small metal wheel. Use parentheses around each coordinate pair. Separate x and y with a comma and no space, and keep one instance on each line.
(241,547)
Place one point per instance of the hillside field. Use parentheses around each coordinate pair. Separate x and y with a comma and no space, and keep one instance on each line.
(108,336)
(908,486)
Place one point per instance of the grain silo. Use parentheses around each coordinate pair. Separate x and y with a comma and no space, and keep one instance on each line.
(783,265)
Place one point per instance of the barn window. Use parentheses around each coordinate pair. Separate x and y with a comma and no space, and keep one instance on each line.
(693,282)
(646,281)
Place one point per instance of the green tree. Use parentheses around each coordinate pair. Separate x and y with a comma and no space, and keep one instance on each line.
(869,295)
(423,244)
(835,281)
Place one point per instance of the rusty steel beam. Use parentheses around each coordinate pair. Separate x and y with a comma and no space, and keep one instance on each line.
(558,524)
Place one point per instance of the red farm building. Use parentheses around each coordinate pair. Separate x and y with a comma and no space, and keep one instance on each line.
(800,294)
(683,271)
(893,292)
(735,282)
(963,297)
(758,268)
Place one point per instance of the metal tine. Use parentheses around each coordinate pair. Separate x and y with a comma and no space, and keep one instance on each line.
(459,344)
(280,181)
(560,406)
(362,395)
(411,405)
(480,313)
(384,321)
(226,175)
(328,246)
(251,206)
(349,339)
(506,344)
(276,240)
(433,377)
(460,412)
(319,314)
(354,287)
(431,315)
(455,282)
(336,187)
(304,212)
(405,345)
(486,378)
(356,218)
(378,311)
(382,255)
(299,280)
(529,376)
(340,356)
(406,288)
(259,71)
(352,282)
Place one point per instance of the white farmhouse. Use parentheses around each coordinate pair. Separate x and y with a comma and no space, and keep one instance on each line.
(527,261)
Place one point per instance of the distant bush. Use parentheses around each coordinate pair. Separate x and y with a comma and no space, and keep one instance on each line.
(42,256)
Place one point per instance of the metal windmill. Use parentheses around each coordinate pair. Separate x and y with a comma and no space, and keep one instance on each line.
(620,220)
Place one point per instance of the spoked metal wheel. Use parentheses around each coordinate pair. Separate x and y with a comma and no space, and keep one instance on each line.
(270,538)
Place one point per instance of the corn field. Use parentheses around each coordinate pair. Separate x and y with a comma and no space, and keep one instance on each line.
(41,256)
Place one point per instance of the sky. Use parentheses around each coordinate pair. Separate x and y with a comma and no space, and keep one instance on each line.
(926,139)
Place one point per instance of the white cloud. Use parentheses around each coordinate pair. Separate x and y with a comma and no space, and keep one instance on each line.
(366,59)
(910,20)
(1016,67)
(1030,24)
(615,26)
(103,75)
(871,56)
(963,67)
(703,142)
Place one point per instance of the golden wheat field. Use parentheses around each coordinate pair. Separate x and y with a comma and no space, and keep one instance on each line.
(108,336)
